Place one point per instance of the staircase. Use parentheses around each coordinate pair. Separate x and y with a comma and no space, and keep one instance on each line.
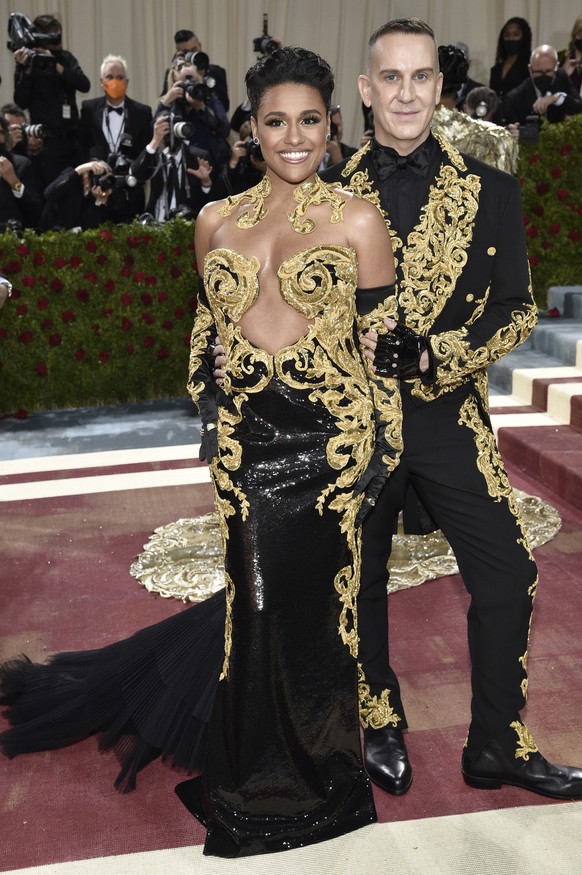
(536,399)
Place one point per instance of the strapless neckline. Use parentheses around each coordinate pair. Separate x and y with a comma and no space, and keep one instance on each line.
(302,253)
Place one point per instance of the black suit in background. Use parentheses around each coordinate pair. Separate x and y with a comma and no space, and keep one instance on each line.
(51,102)
(518,104)
(25,209)
(125,203)
(462,281)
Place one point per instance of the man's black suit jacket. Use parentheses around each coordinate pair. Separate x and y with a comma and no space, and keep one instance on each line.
(25,209)
(518,104)
(93,144)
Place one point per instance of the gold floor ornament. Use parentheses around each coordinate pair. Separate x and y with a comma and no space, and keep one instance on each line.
(184,559)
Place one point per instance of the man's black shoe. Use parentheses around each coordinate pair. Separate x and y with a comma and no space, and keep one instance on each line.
(386,759)
(493,768)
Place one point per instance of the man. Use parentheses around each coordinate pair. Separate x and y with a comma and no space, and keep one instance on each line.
(116,129)
(548,92)
(48,92)
(463,300)
(187,43)
(336,150)
(20,204)
(469,83)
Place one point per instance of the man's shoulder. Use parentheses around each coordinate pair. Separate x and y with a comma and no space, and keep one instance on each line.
(93,103)
(138,106)
(489,174)
(335,173)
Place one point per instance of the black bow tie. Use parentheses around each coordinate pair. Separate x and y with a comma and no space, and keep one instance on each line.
(117,109)
(387,162)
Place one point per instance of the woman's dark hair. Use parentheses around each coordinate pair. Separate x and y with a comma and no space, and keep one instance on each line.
(289,64)
(525,50)
(454,66)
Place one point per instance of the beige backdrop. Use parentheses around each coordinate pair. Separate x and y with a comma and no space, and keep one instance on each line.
(142,31)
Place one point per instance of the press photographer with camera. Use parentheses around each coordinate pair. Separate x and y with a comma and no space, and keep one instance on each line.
(188,148)
(116,129)
(46,79)
(547,93)
(80,197)
(20,203)
(245,167)
(189,50)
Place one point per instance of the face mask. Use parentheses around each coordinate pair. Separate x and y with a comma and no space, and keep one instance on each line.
(544,83)
(511,46)
(114,89)
(578,44)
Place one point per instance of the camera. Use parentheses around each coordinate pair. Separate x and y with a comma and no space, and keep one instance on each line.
(333,131)
(35,132)
(264,44)
(195,90)
(119,176)
(201,61)
(254,150)
(23,36)
(530,131)
(179,130)
(193,155)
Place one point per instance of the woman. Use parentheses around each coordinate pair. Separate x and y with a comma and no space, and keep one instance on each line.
(571,58)
(512,57)
(295,442)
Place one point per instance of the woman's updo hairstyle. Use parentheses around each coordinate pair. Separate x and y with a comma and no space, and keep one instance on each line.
(289,64)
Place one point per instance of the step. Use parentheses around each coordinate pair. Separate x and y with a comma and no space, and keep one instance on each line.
(566,300)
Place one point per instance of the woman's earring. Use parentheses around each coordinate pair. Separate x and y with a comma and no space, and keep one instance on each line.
(328,137)
(256,141)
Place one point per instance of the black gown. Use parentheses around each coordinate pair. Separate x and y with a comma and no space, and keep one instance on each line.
(281,765)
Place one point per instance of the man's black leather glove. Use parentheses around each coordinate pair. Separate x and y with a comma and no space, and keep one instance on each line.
(374,477)
(398,353)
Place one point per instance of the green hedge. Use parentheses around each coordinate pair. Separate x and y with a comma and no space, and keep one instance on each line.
(102,316)
(551,185)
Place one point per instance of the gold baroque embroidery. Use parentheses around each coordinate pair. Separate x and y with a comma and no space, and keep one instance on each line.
(375,711)
(255,198)
(198,345)
(227,626)
(312,193)
(525,741)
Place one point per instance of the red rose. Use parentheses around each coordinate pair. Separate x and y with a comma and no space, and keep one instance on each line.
(553,312)
(546,244)
(42,303)
(566,149)
(56,285)
(179,313)
(133,241)
(175,271)
(146,299)
(533,159)
(106,235)
(538,210)
(38,259)
(562,194)
(91,277)
(126,299)
(162,257)
(555,228)
(91,246)
(139,276)
(556,172)
(526,219)
(192,304)
(55,340)
(101,259)
(191,247)
(162,296)
(150,280)
(108,311)
(126,271)
(148,318)
(68,317)
(41,369)
(103,356)
(126,324)
(532,232)
(20,414)
(542,187)
(575,235)
(163,353)
(146,239)
(25,337)
(187,339)
(60,262)
(21,310)
(130,348)
(109,286)
(148,342)
(12,267)
(534,260)
(75,261)
(22,249)
(167,324)
(80,354)
(177,250)
(28,281)
(3,334)
(129,260)
(82,295)
(46,324)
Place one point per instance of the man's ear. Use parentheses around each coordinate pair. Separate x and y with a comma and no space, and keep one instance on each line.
(364,88)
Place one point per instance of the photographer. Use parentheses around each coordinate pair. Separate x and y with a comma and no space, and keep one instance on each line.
(20,203)
(79,197)
(180,173)
(245,167)
(548,92)
(46,80)
(188,47)
(116,129)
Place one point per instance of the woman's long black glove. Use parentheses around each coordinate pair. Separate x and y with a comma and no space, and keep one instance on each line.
(398,353)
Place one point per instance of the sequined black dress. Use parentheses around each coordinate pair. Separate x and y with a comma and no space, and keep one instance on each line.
(282,764)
